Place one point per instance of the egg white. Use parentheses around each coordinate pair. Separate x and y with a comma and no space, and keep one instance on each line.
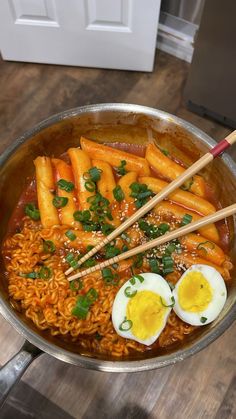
(152,282)
(215,306)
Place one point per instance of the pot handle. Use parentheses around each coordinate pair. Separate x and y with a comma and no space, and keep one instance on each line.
(12,371)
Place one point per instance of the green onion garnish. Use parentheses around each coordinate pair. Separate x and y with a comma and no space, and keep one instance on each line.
(138,261)
(154,266)
(187,218)
(141,193)
(49,246)
(111,251)
(203,319)
(118,193)
(129,293)
(170,249)
(70,258)
(98,336)
(121,170)
(168,305)
(201,246)
(45,272)
(164,151)
(151,230)
(31,275)
(109,277)
(82,216)
(134,277)
(125,325)
(168,265)
(76,284)
(83,304)
(65,185)
(88,263)
(95,174)
(90,185)
(32,212)
(163,228)
(59,201)
(187,185)
(107,228)
(71,236)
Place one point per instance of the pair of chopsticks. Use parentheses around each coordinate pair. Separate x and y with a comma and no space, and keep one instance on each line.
(187,174)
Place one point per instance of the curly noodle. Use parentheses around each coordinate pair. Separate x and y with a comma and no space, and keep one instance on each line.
(49,303)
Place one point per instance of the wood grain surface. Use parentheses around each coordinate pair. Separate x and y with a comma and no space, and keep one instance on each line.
(203,386)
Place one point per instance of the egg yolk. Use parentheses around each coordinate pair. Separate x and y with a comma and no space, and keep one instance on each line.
(146,312)
(194,292)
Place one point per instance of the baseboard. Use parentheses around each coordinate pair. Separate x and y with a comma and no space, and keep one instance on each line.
(176,36)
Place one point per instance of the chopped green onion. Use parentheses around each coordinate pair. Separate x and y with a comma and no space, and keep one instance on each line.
(76,284)
(164,151)
(125,325)
(168,265)
(88,263)
(187,218)
(71,236)
(154,266)
(170,249)
(163,228)
(125,248)
(109,277)
(31,275)
(129,293)
(65,185)
(118,193)
(59,201)
(107,228)
(70,258)
(111,251)
(32,212)
(201,246)
(136,276)
(83,304)
(121,170)
(125,237)
(203,319)
(141,193)
(45,272)
(187,185)
(49,246)
(168,305)
(82,216)
(90,185)
(95,174)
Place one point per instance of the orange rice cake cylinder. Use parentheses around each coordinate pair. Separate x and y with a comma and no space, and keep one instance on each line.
(105,186)
(203,248)
(127,205)
(171,170)
(64,172)
(179,196)
(167,209)
(114,157)
(81,163)
(45,186)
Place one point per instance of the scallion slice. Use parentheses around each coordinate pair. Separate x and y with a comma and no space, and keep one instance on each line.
(154,266)
(90,185)
(129,292)
(118,193)
(140,278)
(59,201)
(168,305)
(32,212)
(49,246)
(121,170)
(203,319)
(45,272)
(187,218)
(65,185)
(71,236)
(76,284)
(125,325)
(168,265)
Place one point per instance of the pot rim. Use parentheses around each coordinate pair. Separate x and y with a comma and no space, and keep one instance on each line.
(95,363)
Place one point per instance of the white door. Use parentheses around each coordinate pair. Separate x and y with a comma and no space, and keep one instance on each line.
(117,34)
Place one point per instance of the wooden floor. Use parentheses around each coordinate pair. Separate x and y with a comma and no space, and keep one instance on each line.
(203,386)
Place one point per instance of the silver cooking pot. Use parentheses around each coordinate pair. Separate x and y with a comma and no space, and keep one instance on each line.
(110,123)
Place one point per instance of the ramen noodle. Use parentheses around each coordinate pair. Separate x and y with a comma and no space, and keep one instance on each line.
(75,201)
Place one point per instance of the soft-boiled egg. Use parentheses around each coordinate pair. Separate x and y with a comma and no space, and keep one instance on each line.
(200,295)
(141,308)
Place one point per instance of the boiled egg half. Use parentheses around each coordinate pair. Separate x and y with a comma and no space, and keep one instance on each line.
(141,308)
(200,295)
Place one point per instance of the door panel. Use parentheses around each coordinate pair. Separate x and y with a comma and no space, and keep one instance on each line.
(95,33)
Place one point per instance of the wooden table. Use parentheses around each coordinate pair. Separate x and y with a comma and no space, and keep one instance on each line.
(203,386)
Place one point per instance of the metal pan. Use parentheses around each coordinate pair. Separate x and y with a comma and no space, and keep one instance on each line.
(107,122)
